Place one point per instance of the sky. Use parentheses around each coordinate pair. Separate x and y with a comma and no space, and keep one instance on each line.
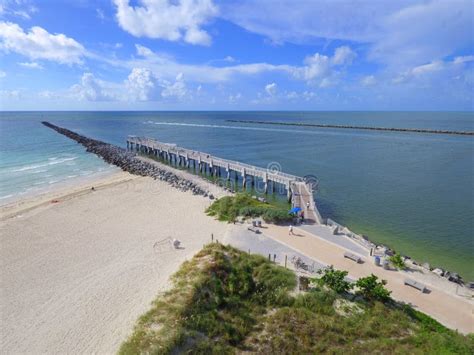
(236,55)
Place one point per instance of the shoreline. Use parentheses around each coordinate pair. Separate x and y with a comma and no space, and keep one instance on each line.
(104,242)
(77,273)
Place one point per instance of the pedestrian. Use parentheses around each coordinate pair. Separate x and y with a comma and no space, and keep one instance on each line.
(290,230)
(307,205)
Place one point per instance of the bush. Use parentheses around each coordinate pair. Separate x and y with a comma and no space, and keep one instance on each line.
(397,261)
(334,279)
(372,289)
(276,216)
(229,207)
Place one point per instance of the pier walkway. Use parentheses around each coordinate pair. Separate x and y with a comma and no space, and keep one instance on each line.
(299,192)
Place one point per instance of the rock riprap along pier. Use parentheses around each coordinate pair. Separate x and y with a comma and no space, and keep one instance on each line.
(129,161)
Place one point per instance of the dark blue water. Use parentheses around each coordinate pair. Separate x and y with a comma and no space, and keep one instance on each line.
(411,191)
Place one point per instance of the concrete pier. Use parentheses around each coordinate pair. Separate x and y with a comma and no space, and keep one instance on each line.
(297,190)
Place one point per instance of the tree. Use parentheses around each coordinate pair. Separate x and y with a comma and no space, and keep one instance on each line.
(397,261)
(334,279)
(372,289)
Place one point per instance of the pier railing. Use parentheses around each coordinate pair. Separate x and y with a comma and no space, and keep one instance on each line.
(299,192)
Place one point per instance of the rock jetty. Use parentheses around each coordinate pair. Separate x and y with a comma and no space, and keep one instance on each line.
(129,161)
(390,129)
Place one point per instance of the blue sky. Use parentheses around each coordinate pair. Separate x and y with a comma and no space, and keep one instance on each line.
(245,55)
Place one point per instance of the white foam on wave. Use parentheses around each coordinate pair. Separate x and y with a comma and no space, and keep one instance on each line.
(52,161)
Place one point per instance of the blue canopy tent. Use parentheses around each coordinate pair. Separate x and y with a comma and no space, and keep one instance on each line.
(295,210)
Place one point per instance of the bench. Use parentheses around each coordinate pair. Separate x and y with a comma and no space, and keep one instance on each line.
(255,230)
(415,284)
(353,257)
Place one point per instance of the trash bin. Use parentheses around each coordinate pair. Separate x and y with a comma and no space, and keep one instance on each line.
(377,260)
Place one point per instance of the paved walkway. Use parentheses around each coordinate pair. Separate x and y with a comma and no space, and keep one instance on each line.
(453,311)
(325,232)
(245,240)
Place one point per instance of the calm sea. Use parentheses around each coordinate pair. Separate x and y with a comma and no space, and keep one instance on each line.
(411,191)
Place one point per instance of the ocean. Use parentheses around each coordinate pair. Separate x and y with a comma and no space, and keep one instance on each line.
(411,191)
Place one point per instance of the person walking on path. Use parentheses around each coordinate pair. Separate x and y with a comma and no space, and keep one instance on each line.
(290,230)
(307,205)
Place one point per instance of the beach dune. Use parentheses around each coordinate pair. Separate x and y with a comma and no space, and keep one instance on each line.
(79,271)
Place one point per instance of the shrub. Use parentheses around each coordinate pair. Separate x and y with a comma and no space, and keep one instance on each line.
(397,261)
(372,289)
(334,279)
(276,216)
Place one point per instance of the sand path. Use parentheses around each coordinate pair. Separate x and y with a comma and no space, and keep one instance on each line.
(76,275)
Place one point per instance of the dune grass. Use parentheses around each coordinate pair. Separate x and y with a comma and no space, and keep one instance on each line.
(228,208)
(225,301)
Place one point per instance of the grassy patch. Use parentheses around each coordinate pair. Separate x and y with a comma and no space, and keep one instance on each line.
(225,301)
(228,208)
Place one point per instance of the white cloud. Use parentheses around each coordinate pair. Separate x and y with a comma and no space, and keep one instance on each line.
(463,59)
(140,84)
(169,20)
(2,74)
(143,51)
(424,31)
(229,59)
(177,89)
(10,94)
(402,33)
(369,80)
(343,55)
(234,98)
(19,8)
(100,14)
(322,69)
(40,44)
(271,89)
(90,89)
(427,68)
(31,65)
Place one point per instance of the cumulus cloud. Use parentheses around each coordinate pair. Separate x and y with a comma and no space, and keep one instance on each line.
(177,89)
(271,89)
(323,69)
(90,89)
(140,84)
(169,20)
(40,44)
(343,55)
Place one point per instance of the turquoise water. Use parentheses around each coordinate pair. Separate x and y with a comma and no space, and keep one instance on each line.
(411,191)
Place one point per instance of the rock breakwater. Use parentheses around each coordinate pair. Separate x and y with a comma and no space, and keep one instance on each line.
(129,161)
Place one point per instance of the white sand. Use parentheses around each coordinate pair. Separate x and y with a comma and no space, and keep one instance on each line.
(76,274)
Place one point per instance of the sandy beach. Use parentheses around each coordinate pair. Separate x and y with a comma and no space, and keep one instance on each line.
(80,266)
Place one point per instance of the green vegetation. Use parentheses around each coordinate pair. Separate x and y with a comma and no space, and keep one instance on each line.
(334,279)
(225,301)
(228,208)
(397,261)
(372,289)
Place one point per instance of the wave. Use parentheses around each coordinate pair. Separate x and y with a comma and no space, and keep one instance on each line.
(52,161)
(237,127)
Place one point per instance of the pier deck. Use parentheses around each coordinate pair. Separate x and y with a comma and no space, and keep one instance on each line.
(298,191)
